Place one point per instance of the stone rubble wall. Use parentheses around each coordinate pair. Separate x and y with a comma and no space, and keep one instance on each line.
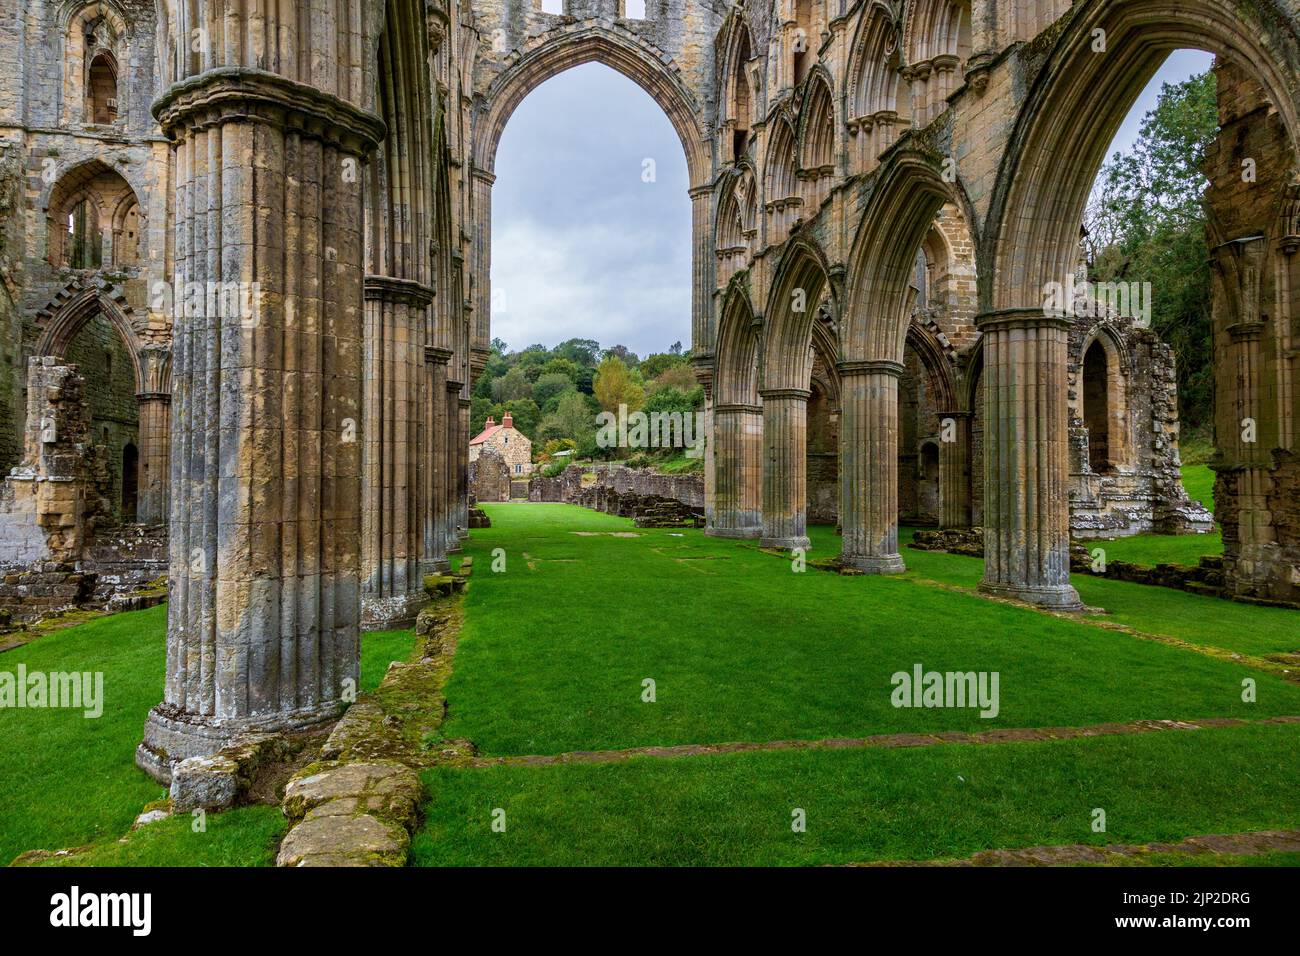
(1205,578)
(489,476)
(568,486)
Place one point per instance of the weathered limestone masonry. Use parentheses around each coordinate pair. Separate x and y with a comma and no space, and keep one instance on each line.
(269,126)
(882,191)
(1254,234)
(489,477)
(1125,473)
(829,165)
(568,486)
(85,240)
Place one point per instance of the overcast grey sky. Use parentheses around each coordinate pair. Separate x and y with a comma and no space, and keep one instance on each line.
(583,246)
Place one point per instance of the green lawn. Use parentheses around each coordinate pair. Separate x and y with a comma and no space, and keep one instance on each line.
(555,649)
(1200,620)
(1198,482)
(66,780)
(864,805)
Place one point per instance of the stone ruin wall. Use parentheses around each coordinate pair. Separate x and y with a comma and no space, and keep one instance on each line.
(489,477)
(567,487)
(1257,479)
(1144,493)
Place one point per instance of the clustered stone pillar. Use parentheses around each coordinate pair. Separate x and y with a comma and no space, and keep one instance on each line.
(1026,505)
(869,466)
(155,465)
(391,531)
(435,515)
(738,467)
(785,467)
(954,469)
(702,283)
(451,477)
(462,467)
(265,527)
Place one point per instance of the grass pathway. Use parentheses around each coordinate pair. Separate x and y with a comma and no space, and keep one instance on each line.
(555,648)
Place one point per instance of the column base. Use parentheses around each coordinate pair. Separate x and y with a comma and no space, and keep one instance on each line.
(875,563)
(391,613)
(785,544)
(171,736)
(737,533)
(1057,597)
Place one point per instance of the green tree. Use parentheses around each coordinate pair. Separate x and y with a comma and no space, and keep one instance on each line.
(549,387)
(512,385)
(655,365)
(615,385)
(527,416)
(573,418)
(1146,223)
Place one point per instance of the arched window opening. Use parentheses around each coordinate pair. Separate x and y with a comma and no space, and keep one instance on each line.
(85,243)
(101,89)
(1096,407)
(130,480)
(741,106)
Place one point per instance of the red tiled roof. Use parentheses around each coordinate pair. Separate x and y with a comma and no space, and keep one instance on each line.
(486,434)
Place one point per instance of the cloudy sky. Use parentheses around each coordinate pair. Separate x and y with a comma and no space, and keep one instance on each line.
(584,246)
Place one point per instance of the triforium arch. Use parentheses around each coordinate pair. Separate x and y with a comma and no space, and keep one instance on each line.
(802,293)
(269,118)
(92,219)
(1104,372)
(150,371)
(737,510)
(618,48)
(909,192)
(1074,106)
(930,439)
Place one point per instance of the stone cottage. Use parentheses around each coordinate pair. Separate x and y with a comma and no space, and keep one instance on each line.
(514,447)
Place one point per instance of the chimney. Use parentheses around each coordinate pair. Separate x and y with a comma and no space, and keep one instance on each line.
(507,421)
(489,423)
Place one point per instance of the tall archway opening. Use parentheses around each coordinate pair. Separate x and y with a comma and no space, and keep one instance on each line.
(594,254)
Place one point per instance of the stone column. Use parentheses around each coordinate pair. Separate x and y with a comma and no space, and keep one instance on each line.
(435,466)
(738,496)
(451,474)
(869,466)
(702,287)
(954,469)
(155,465)
(391,533)
(266,406)
(1026,505)
(481,250)
(785,467)
(462,468)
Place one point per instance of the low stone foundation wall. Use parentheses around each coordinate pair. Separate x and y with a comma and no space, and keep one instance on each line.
(646,511)
(119,570)
(1204,578)
(568,486)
